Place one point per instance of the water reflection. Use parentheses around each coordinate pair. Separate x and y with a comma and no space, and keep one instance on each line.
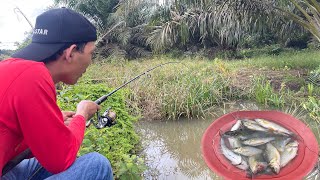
(172,148)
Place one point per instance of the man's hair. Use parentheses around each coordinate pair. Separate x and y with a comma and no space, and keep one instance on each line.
(80,47)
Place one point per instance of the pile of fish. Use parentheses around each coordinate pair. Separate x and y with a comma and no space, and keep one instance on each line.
(259,146)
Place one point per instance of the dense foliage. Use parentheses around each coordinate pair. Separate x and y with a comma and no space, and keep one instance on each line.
(136,28)
(118,143)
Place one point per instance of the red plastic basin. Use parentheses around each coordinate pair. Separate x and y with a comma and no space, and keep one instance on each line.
(298,168)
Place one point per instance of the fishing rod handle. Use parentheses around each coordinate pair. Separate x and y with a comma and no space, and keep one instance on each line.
(101,100)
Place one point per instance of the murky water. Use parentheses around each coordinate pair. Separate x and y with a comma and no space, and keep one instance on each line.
(172,149)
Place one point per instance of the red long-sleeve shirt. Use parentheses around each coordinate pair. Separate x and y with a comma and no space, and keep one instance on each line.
(31,118)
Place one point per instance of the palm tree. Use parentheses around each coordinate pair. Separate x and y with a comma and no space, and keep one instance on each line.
(309,16)
(222,23)
(121,24)
(145,26)
(98,11)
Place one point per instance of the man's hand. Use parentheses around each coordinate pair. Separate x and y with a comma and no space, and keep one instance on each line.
(67,116)
(87,109)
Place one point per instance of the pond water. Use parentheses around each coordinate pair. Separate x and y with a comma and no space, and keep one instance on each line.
(172,149)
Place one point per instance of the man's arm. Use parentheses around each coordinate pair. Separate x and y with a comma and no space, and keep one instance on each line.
(53,143)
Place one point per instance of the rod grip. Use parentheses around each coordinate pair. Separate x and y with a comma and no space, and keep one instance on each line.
(101,99)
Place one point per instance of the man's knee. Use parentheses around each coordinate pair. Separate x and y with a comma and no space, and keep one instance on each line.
(89,166)
(99,161)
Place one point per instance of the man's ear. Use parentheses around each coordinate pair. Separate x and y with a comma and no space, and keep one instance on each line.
(69,52)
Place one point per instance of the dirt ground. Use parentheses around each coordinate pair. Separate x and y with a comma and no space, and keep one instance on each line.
(291,79)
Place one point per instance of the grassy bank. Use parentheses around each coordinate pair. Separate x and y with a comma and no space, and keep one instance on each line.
(195,84)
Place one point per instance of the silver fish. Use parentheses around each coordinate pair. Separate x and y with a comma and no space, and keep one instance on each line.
(257,141)
(234,158)
(257,134)
(293,144)
(252,125)
(244,165)
(236,126)
(273,157)
(256,165)
(273,127)
(247,151)
(289,153)
(234,142)
(280,143)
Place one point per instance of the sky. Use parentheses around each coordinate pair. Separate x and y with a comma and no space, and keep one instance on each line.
(13,26)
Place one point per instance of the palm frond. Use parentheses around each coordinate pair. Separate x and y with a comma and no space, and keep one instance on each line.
(309,17)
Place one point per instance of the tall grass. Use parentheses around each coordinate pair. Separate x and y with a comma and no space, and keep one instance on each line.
(265,94)
(184,89)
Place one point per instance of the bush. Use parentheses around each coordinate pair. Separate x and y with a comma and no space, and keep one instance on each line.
(119,142)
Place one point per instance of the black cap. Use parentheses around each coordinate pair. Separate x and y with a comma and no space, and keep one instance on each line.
(55,28)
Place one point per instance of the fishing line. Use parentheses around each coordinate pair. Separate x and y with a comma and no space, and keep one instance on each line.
(103,121)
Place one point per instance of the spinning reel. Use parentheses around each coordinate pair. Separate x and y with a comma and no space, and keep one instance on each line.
(108,118)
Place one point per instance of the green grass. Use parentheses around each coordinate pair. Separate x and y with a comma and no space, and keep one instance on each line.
(306,59)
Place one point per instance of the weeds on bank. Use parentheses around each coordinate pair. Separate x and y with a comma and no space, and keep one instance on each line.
(185,89)
(118,143)
(265,94)
(312,105)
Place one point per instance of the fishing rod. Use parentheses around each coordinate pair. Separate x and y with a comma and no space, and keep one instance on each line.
(108,117)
